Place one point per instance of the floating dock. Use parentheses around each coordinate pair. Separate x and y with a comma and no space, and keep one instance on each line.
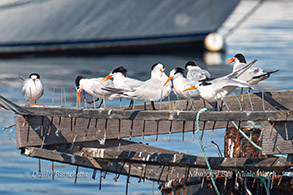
(97,139)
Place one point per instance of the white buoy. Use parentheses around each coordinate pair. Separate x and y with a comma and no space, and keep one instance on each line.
(214,42)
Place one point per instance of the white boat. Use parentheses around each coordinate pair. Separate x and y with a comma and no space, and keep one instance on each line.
(108,26)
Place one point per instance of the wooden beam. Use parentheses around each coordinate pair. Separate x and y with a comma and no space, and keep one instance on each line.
(60,129)
(277,137)
(158,159)
(185,160)
(101,113)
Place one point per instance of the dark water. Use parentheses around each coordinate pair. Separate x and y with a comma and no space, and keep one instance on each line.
(266,36)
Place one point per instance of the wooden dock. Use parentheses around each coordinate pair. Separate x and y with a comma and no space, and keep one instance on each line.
(96,138)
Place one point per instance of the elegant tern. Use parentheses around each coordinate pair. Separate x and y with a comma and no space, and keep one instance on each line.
(122,82)
(217,89)
(94,87)
(32,88)
(253,75)
(153,89)
(195,73)
(180,83)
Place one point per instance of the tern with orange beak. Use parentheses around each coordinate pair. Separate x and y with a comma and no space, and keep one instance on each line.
(180,83)
(153,89)
(122,82)
(217,89)
(32,88)
(94,87)
(253,75)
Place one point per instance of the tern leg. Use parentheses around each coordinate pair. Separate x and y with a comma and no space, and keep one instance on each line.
(35,103)
(263,99)
(131,104)
(186,104)
(241,92)
(102,100)
(28,102)
(204,102)
(153,105)
(84,99)
(169,102)
(192,104)
(120,100)
(223,101)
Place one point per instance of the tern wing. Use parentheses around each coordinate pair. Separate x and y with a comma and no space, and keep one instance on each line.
(133,83)
(24,86)
(237,83)
(264,75)
(151,90)
(197,74)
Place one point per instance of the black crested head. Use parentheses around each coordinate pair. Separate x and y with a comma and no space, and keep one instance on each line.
(156,65)
(240,57)
(179,70)
(77,80)
(190,63)
(34,74)
(120,69)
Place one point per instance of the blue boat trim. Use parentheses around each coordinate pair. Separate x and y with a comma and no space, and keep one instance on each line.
(73,42)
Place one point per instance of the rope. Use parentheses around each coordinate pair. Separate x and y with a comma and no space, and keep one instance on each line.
(202,147)
(246,137)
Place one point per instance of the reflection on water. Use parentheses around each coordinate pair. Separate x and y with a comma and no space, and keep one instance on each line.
(266,37)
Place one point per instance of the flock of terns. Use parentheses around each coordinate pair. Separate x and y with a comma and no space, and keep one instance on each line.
(197,83)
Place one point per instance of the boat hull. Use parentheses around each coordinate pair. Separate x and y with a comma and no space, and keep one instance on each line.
(68,27)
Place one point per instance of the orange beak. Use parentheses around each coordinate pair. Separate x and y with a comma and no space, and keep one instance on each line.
(106,78)
(230,61)
(78,96)
(33,79)
(169,78)
(190,88)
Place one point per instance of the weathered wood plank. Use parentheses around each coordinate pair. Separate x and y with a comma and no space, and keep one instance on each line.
(150,172)
(30,132)
(70,112)
(183,160)
(65,130)
(160,159)
(277,137)
(62,153)
(102,113)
